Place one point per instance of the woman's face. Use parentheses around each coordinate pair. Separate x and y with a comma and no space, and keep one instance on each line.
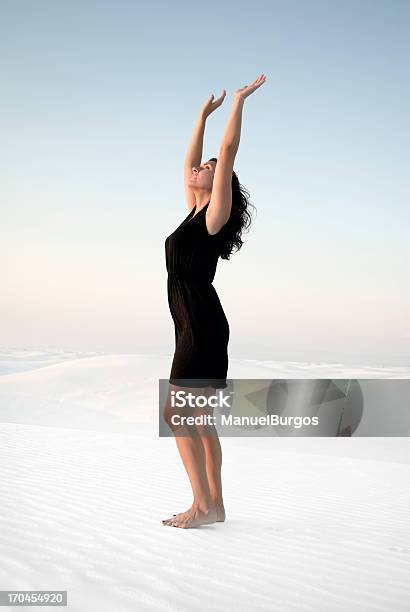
(202,176)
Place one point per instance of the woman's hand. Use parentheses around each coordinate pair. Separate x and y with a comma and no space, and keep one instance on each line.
(244,92)
(211,104)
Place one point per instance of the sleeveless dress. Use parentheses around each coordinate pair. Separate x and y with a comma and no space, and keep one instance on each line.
(201,327)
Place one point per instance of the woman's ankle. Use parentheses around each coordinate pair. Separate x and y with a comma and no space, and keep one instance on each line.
(203,505)
(218,502)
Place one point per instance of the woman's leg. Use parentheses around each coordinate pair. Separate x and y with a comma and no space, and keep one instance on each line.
(213,461)
(192,452)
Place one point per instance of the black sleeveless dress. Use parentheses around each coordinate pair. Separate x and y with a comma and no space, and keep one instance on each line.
(201,327)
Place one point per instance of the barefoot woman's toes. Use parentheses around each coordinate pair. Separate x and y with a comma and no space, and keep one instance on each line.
(195,518)
(175,517)
(180,516)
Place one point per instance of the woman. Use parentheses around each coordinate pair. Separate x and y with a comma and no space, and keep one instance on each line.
(218,213)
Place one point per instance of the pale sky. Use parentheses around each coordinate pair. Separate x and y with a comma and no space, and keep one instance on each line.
(98,103)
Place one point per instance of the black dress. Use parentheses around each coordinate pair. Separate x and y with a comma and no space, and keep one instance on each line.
(201,327)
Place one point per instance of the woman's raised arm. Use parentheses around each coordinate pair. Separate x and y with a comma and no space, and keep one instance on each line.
(193,156)
(232,134)
(220,205)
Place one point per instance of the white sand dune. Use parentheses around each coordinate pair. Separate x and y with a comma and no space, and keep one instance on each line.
(82,511)
(20,360)
(313,523)
(118,392)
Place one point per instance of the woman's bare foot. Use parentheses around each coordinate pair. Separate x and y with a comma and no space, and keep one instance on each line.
(194,517)
(220,514)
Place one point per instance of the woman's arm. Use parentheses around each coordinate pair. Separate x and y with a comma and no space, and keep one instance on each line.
(194,153)
(220,205)
(232,133)
(193,158)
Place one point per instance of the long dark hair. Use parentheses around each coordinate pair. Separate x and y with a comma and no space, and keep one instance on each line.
(239,220)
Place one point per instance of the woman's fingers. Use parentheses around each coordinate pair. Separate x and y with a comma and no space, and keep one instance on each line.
(211,104)
(220,99)
(258,82)
(248,89)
